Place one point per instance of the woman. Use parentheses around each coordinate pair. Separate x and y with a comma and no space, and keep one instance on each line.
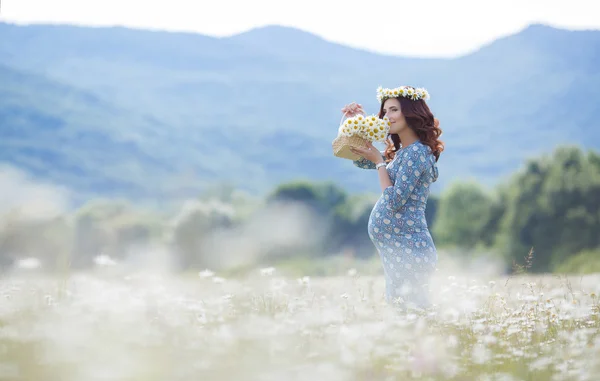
(397,225)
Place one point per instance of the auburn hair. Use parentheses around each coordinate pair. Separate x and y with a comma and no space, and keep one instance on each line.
(421,120)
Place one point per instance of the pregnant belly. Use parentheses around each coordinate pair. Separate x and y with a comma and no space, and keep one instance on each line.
(381,220)
(384,222)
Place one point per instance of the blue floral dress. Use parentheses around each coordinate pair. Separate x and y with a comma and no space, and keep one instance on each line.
(398,229)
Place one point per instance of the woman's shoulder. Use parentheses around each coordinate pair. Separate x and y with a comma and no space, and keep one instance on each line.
(417,148)
(421,152)
(420,146)
(427,158)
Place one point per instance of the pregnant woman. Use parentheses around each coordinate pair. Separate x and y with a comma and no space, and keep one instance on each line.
(406,169)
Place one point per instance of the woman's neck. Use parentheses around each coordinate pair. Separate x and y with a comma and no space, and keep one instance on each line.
(407,137)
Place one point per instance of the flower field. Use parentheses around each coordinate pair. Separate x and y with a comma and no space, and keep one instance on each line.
(268,326)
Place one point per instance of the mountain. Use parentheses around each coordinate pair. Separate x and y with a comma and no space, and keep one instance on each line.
(70,136)
(67,135)
(135,113)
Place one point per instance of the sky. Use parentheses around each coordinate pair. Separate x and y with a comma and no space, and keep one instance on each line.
(425,28)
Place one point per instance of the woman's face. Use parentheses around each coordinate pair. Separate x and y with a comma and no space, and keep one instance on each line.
(391,109)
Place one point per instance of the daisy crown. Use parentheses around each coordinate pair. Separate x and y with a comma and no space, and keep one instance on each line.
(402,91)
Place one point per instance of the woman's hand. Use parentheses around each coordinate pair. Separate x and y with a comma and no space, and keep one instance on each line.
(353,109)
(369,152)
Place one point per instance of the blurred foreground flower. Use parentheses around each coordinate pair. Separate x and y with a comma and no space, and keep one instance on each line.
(28,263)
(267,271)
(205,273)
(104,260)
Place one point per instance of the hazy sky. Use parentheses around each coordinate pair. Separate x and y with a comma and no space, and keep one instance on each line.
(416,28)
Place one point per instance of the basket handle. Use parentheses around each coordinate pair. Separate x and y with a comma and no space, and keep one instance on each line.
(343,116)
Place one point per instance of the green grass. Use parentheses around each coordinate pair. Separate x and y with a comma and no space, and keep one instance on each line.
(585,262)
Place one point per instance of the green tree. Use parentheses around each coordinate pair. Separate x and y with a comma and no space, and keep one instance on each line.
(349,233)
(323,198)
(343,218)
(192,230)
(465,216)
(552,206)
(111,227)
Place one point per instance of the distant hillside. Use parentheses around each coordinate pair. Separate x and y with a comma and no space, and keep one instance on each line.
(142,113)
(67,135)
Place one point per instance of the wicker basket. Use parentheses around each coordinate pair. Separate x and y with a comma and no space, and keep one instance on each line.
(341,145)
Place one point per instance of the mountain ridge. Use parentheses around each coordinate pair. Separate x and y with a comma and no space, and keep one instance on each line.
(269,115)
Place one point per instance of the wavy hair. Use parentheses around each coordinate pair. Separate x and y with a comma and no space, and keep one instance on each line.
(421,120)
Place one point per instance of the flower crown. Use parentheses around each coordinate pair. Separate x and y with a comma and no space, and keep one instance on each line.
(402,91)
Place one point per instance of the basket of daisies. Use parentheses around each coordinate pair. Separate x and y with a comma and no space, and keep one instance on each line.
(356,131)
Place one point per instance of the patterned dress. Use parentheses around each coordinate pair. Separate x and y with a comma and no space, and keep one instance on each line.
(398,229)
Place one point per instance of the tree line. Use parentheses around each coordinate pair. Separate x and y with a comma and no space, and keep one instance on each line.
(550,207)
(546,216)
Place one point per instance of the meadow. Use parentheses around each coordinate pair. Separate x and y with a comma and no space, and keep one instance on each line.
(259,282)
(111,323)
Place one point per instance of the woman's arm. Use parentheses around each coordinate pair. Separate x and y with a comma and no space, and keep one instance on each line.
(376,159)
(366,163)
(414,163)
(384,178)
(412,167)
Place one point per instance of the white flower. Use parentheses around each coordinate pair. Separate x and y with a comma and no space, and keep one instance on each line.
(206,274)
(305,280)
(104,260)
(267,271)
(403,91)
(31,263)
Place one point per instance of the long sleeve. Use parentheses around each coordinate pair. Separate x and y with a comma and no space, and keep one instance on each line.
(414,164)
(366,164)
